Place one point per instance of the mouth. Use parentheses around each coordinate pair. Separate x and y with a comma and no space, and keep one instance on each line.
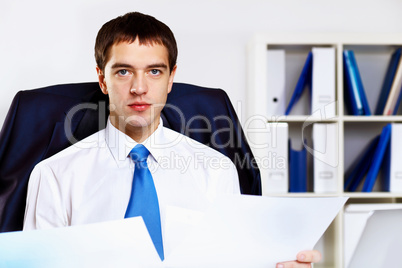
(139,107)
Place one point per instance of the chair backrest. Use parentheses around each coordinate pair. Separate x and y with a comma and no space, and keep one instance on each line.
(44,121)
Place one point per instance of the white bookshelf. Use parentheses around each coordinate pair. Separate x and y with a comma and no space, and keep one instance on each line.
(372,52)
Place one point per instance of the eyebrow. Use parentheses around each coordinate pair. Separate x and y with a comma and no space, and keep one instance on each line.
(125,65)
(121,65)
(158,65)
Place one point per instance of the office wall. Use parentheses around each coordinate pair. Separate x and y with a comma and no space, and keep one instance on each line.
(47,42)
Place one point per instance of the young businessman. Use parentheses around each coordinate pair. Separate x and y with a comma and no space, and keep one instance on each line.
(92,180)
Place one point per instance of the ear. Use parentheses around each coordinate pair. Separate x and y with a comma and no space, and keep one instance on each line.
(101,79)
(171,78)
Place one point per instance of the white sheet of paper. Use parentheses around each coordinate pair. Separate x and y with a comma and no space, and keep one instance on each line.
(238,231)
(255,231)
(122,243)
(381,238)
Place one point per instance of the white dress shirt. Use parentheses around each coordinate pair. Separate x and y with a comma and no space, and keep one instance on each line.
(91,180)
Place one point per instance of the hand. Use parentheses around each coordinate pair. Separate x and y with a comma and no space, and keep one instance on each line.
(303,259)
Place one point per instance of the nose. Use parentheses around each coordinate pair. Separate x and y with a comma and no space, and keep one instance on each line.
(139,85)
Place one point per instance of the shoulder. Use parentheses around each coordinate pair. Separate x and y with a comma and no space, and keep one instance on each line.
(188,145)
(76,153)
(210,168)
(203,158)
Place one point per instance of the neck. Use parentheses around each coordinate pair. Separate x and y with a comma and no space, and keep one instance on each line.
(136,132)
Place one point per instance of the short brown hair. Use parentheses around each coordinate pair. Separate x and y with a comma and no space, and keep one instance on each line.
(128,28)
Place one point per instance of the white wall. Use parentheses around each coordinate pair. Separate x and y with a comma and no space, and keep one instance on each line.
(46,42)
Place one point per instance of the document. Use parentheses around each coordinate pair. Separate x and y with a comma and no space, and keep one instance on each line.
(237,231)
(122,243)
(355,219)
(255,231)
(380,244)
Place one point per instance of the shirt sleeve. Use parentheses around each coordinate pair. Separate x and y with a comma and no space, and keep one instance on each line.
(226,179)
(232,173)
(44,205)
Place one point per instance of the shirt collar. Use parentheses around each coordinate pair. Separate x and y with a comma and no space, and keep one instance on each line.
(121,144)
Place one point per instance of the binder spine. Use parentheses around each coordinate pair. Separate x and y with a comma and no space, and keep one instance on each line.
(277,174)
(352,96)
(377,159)
(297,170)
(325,143)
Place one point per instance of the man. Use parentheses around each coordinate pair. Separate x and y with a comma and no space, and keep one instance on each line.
(92,180)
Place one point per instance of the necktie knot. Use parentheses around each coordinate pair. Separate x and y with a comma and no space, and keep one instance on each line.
(139,153)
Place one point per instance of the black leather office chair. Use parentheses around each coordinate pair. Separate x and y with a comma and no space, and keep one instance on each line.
(35,130)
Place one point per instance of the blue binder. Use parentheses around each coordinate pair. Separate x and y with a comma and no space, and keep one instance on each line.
(355,97)
(356,173)
(297,170)
(386,86)
(397,103)
(352,96)
(360,87)
(304,80)
(386,168)
(377,158)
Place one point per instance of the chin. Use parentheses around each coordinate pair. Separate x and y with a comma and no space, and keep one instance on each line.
(137,122)
(141,121)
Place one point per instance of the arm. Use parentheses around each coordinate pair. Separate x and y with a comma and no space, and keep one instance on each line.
(44,206)
(303,259)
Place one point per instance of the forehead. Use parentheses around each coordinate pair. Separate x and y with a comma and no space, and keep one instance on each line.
(135,53)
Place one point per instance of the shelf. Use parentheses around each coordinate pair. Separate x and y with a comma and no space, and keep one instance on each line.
(308,194)
(359,195)
(373,195)
(301,119)
(344,118)
(325,38)
(372,118)
(373,53)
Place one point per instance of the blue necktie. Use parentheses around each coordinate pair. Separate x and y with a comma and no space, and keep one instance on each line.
(144,200)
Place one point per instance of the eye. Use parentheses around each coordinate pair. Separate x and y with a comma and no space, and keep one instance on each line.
(155,71)
(123,72)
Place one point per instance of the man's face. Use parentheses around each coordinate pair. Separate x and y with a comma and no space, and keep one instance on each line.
(137,79)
